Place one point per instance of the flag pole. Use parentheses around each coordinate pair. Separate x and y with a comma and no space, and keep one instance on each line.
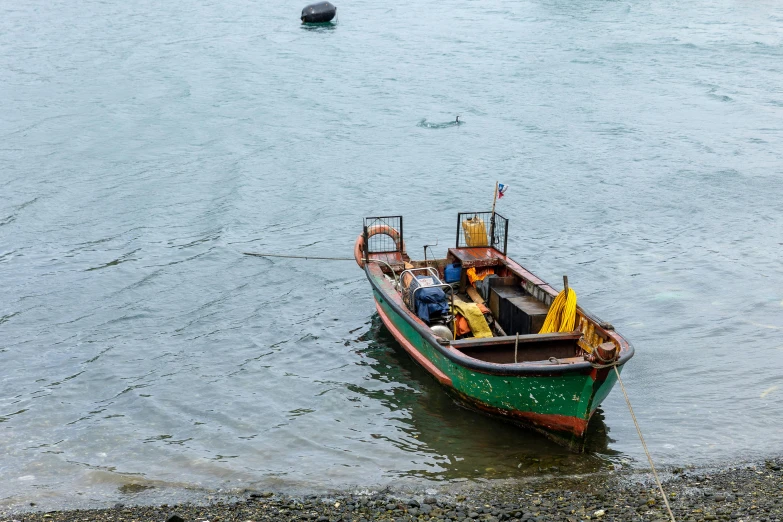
(492,219)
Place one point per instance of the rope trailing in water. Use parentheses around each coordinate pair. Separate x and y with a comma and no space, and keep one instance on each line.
(381,261)
(560,318)
(644,445)
(562,314)
(300,257)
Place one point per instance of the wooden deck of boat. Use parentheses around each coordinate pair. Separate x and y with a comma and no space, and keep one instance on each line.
(476,257)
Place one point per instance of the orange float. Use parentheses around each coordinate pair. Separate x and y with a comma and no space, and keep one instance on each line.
(358,247)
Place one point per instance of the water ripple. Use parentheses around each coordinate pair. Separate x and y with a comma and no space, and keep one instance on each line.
(145,354)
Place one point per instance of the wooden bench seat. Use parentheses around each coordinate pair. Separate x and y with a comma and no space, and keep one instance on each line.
(532,347)
(489,342)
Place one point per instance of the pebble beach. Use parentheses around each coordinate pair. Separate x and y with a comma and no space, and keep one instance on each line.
(744,493)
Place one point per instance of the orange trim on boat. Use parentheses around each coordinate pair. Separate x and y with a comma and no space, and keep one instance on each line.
(547,421)
(416,354)
(555,422)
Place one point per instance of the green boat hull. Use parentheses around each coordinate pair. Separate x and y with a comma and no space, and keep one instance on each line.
(558,405)
(550,382)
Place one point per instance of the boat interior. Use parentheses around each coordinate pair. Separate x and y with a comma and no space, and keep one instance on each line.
(478,301)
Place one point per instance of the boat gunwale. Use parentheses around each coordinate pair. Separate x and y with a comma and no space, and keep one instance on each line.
(376,278)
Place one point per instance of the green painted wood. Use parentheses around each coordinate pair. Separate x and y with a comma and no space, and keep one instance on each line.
(570,395)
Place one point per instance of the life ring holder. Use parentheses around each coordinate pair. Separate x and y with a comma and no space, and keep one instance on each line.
(358,247)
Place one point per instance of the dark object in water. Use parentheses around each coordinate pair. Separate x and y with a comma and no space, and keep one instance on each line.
(318,13)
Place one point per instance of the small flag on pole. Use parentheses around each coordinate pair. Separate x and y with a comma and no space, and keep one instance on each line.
(501,190)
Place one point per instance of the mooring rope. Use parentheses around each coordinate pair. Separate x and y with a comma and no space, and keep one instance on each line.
(644,444)
(300,257)
(366,260)
(613,365)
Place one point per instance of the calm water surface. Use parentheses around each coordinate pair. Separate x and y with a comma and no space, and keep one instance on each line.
(145,145)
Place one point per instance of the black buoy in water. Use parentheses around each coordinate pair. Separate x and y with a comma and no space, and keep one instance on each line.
(318,13)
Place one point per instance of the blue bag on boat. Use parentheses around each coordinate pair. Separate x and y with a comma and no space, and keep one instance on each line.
(428,300)
(431,301)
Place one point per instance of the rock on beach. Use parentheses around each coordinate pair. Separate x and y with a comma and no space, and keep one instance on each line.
(742,493)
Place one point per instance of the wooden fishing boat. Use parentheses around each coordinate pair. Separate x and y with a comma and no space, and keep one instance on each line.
(549,382)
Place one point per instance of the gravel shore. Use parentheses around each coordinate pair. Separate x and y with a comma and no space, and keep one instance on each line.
(741,493)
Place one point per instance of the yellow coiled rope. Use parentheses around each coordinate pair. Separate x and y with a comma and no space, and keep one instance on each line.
(562,314)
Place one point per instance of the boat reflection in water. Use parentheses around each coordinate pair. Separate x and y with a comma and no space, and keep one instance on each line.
(464,443)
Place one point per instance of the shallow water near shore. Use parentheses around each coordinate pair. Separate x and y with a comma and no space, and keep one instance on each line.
(145,147)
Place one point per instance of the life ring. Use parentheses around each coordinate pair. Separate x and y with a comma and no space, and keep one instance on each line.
(358,247)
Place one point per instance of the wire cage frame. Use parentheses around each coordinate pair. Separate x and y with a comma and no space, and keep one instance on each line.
(482,229)
(417,280)
(383,234)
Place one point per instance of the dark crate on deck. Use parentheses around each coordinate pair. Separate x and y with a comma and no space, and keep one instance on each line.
(516,312)
(527,315)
